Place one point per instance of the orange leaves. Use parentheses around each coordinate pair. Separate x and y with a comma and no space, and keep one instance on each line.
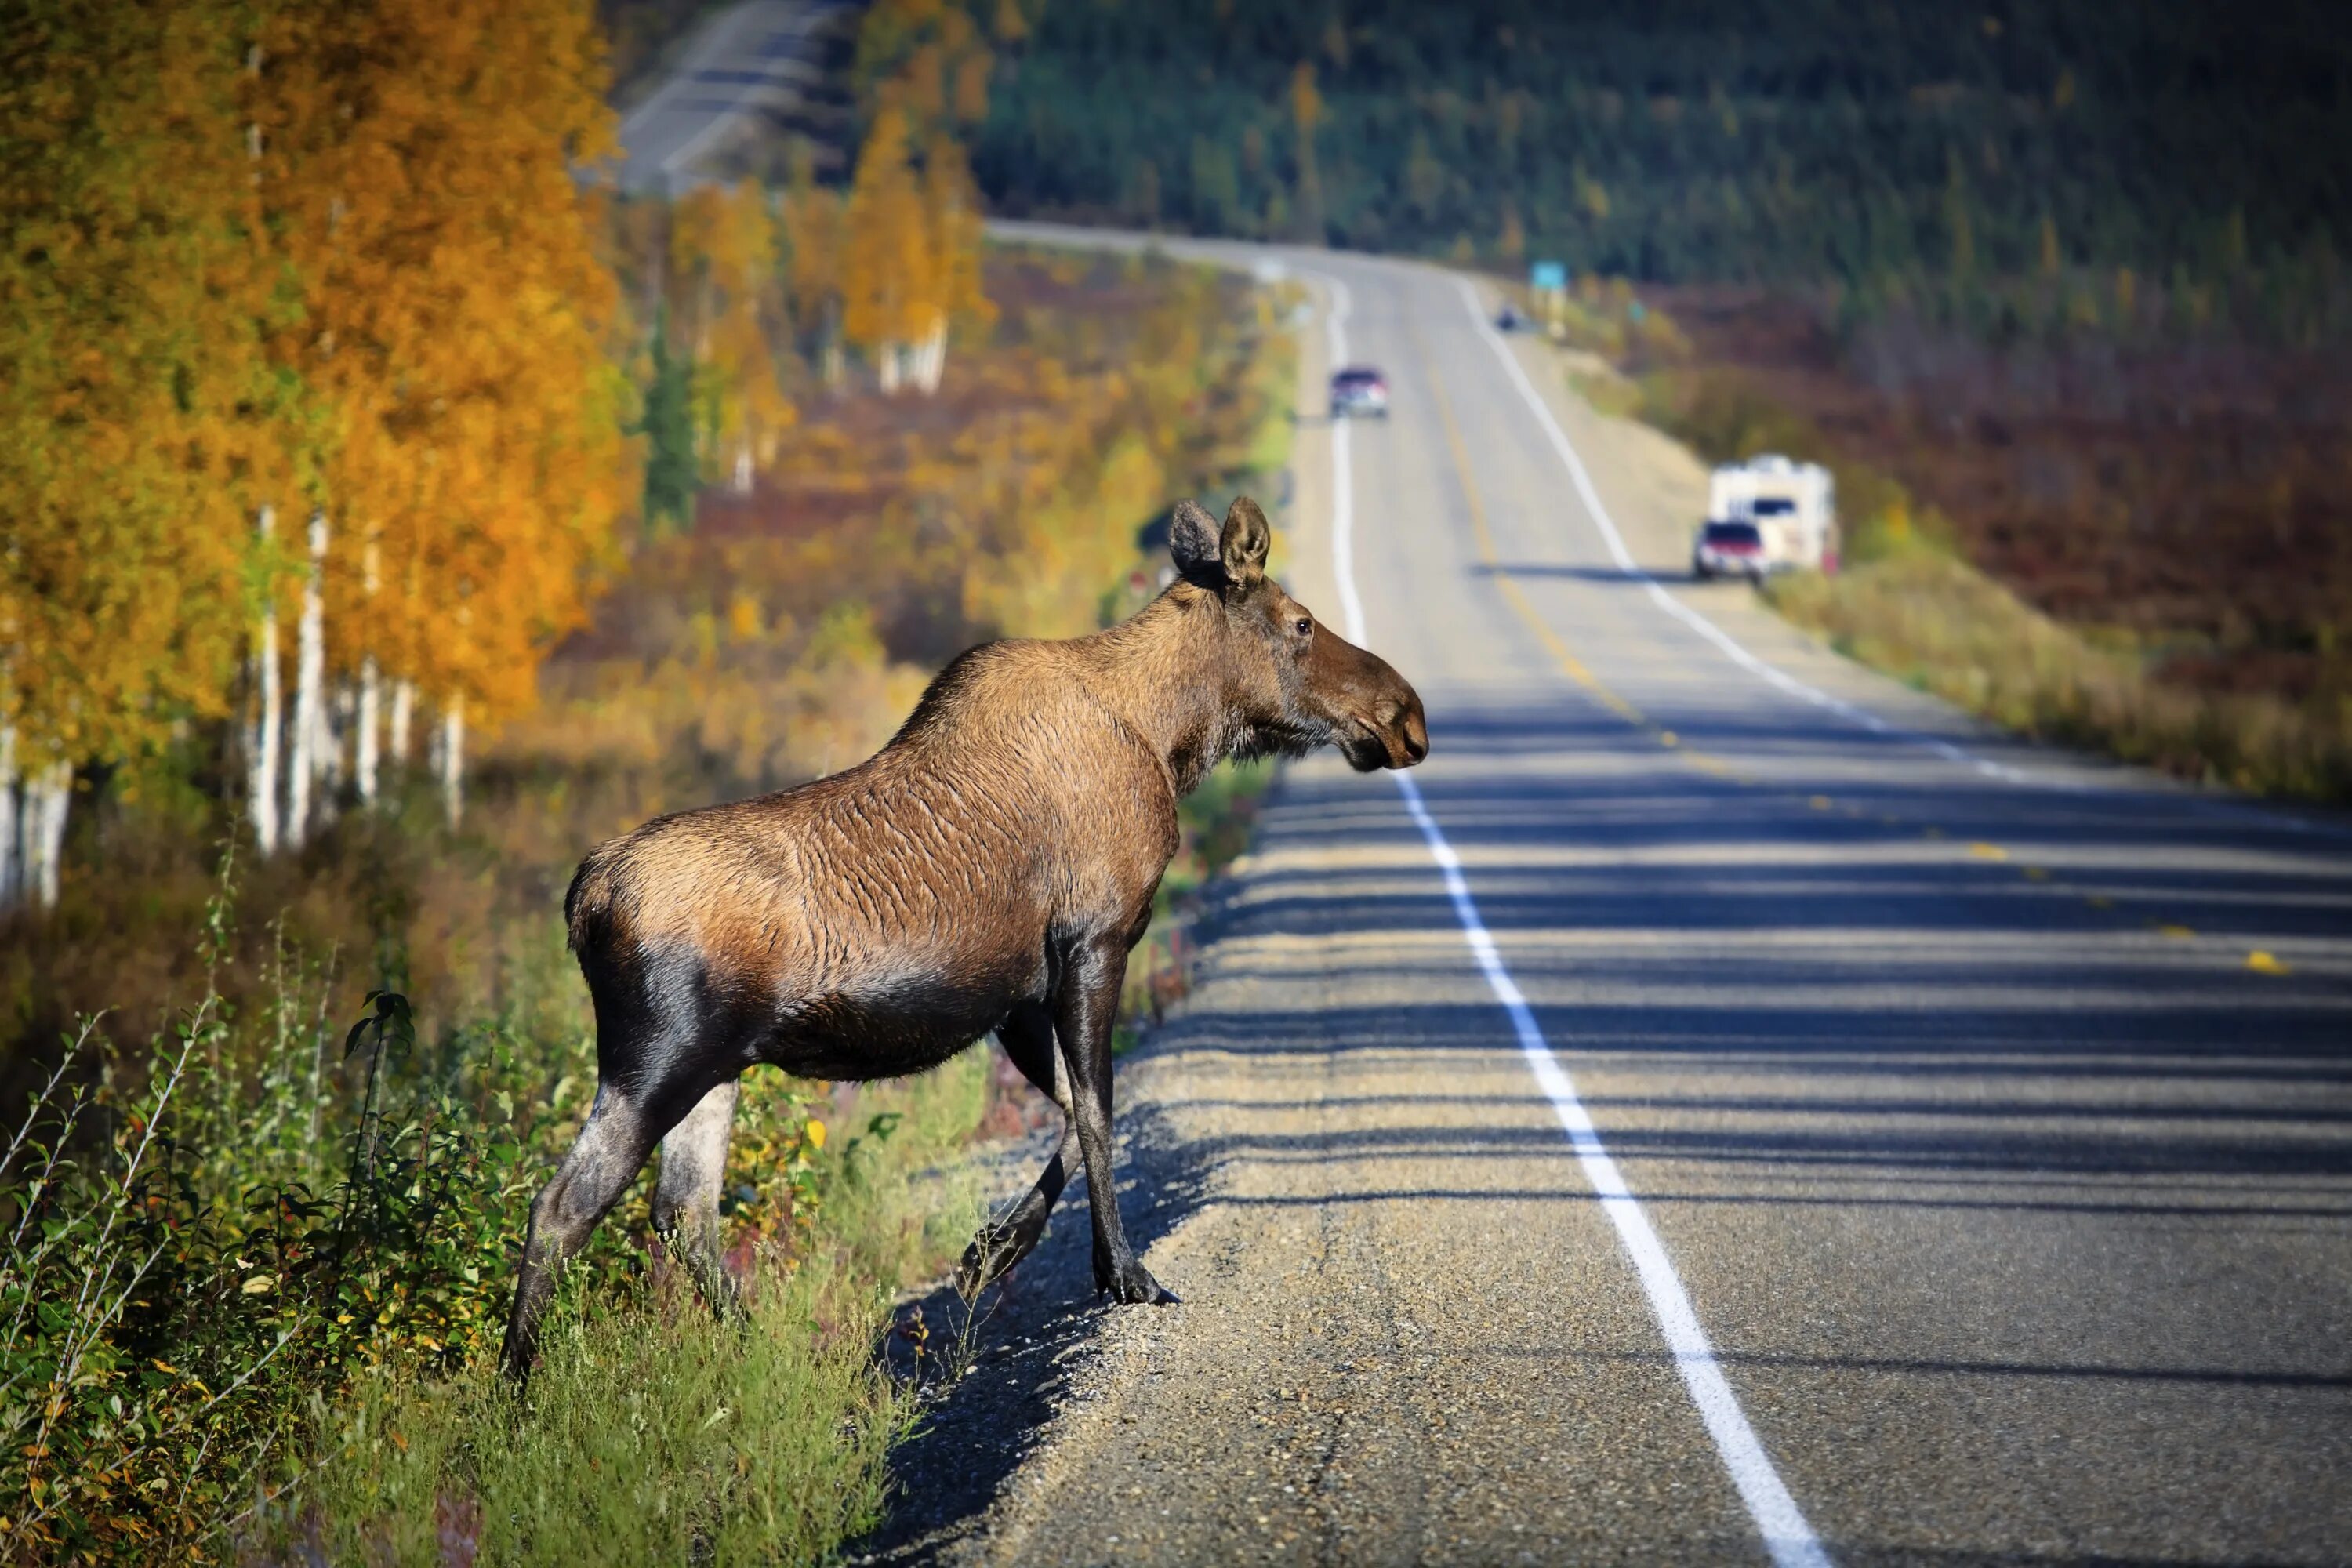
(926,59)
(729,307)
(911,250)
(298,255)
(454,318)
(126,348)
(887,265)
(911,262)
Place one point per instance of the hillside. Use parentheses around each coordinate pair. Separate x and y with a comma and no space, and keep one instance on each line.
(1869,144)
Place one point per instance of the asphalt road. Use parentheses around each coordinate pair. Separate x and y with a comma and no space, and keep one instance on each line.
(743,69)
(1914,1147)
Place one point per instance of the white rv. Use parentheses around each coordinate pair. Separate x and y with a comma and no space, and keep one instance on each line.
(1767,514)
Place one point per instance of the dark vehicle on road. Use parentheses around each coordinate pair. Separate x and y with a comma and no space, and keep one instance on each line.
(1727,549)
(1360,389)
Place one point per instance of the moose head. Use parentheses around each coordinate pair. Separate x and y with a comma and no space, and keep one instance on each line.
(1291,683)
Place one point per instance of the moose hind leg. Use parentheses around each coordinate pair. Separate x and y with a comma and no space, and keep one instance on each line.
(602,1163)
(1028,1038)
(686,1194)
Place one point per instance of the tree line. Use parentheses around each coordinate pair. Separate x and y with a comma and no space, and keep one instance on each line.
(1904,153)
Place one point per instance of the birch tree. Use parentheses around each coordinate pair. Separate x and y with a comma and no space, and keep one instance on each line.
(7,816)
(263,740)
(309,680)
(128,359)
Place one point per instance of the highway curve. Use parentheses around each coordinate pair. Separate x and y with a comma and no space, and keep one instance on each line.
(1911,1145)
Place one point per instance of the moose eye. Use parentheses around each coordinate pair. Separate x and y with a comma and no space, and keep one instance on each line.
(1302,625)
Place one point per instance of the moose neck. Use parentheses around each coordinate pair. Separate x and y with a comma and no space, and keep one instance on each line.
(1169,662)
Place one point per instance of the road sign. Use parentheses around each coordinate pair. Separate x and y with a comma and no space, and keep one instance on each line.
(1547,277)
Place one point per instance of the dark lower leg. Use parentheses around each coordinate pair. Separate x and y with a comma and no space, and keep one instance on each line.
(1083,1017)
(686,1196)
(1006,1240)
(1028,1039)
(602,1161)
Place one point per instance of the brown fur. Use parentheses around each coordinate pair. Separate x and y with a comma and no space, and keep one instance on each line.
(987,870)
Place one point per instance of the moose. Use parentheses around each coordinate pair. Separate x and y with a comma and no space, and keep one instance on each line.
(988,870)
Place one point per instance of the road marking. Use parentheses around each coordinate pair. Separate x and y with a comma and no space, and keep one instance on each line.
(1520,605)
(1489,556)
(1787,1535)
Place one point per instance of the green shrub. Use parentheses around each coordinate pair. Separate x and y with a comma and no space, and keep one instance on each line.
(240,1262)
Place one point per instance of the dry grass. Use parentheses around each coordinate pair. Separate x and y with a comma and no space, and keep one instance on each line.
(1944,628)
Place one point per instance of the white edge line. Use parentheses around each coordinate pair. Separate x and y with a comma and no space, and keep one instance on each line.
(1787,1535)
(1781,679)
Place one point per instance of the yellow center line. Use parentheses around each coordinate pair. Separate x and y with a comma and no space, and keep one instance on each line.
(1572,666)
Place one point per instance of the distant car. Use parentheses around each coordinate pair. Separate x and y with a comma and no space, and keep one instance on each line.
(1728,550)
(1360,389)
(1508,319)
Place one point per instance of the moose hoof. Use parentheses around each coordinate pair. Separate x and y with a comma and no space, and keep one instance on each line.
(1134,1285)
(984,1261)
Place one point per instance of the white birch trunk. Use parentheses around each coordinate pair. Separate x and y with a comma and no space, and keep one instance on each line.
(334,725)
(46,800)
(8,817)
(453,760)
(403,706)
(931,357)
(370,698)
(743,470)
(261,753)
(364,759)
(886,366)
(309,680)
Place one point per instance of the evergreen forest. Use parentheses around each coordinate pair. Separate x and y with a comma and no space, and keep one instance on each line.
(1890,153)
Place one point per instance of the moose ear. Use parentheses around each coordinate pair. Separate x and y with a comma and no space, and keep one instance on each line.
(1244,542)
(1192,541)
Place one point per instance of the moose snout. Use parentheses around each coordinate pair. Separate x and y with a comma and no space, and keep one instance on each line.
(1416,734)
(1403,730)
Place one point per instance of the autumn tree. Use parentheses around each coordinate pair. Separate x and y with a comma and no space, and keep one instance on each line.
(813,227)
(912,222)
(886,259)
(457,322)
(131,380)
(728,287)
(300,326)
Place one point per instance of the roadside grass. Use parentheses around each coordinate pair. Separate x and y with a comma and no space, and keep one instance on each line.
(651,1434)
(1943,627)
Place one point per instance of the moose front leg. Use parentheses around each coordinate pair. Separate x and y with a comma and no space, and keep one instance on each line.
(1086,1008)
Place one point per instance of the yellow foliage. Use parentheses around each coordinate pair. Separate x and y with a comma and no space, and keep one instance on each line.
(325,257)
